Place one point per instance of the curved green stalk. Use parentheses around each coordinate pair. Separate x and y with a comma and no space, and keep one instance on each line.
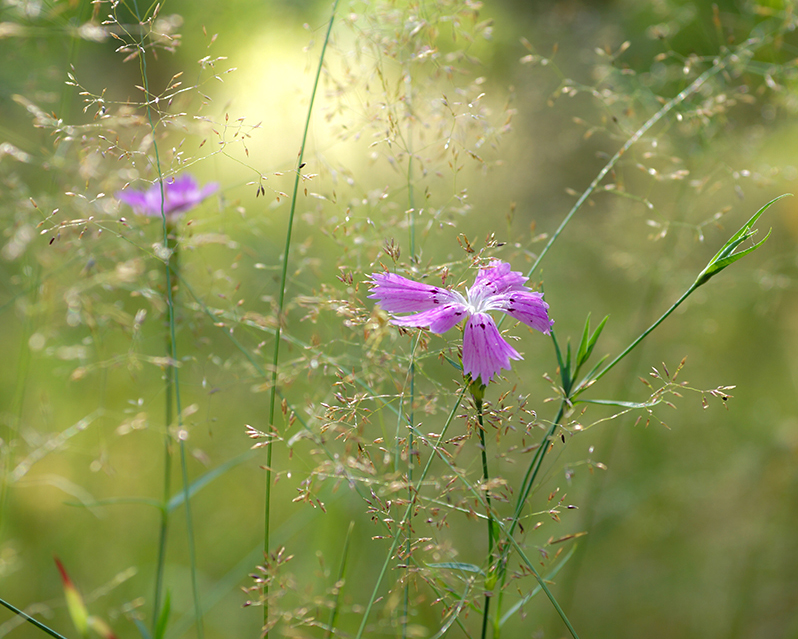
(281,309)
(667,108)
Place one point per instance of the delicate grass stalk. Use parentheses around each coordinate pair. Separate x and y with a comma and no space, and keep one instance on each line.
(30,619)
(410,507)
(543,585)
(173,376)
(727,255)
(410,189)
(517,606)
(280,311)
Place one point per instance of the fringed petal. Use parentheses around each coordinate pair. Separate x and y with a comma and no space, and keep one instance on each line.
(397,294)
(526,307)
(497,278)
(485,351)
(439,319)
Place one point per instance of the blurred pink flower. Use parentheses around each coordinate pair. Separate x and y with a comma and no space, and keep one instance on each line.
(179,195)
(496,288)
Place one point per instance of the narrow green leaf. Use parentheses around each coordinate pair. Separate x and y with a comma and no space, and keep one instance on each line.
(560,363)
(537,588)
(163,618)
(206,479)
(568,358)
(145,634)
(594,338)
(718,266)
(581,353)
(453,363)
(588,343)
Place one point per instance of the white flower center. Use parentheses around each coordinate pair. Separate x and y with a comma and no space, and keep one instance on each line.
(479,301)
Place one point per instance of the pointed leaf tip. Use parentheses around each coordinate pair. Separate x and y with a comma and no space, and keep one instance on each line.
(726,255)
(77,609)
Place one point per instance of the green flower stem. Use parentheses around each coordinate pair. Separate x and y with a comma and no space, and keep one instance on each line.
(526,487)
(172,267)
(512,541)
(410,495)
(281,310)
(485,478)
(172,371)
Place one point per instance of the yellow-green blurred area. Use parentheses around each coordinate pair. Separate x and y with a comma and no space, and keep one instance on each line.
(440,132)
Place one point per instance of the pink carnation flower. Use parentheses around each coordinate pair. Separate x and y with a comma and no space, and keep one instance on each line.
(496,288)
(179,195)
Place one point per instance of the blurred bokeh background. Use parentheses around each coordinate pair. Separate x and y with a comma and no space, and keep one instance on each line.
(509,110)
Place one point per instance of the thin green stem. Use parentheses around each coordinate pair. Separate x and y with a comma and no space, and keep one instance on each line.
(485,479)
(410,495)
(641,337)
(167,481)
(280,312)
(534,468)
(30,619)
(339,581)
(537,460)
(543,585)
(410,189)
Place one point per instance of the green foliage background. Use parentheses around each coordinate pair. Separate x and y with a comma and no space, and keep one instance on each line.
(691,527)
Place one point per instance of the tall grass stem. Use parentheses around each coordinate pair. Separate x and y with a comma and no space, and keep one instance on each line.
(281,309)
